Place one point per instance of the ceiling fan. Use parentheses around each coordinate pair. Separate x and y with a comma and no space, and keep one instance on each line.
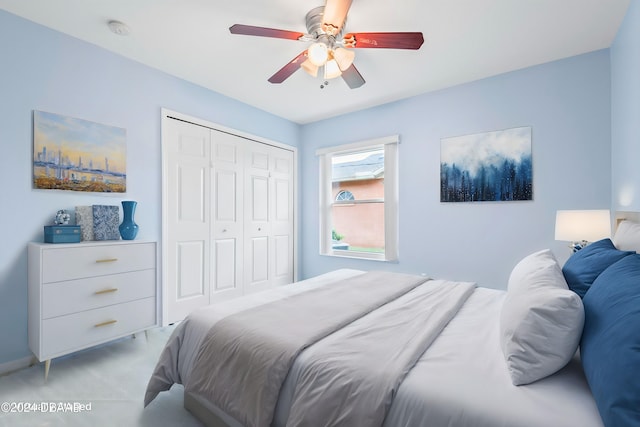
(330,50)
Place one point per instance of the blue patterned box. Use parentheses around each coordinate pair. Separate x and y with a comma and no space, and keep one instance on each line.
(61,233)
(106,220)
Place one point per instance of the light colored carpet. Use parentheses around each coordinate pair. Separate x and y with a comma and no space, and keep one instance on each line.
(111,378)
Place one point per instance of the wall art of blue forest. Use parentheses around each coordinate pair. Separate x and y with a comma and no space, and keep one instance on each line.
(490,166)
(78,155)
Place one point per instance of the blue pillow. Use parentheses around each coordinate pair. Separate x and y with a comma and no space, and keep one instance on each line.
(583,267)
(610,346)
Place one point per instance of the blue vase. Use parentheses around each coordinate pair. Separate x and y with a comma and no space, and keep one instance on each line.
(128,228)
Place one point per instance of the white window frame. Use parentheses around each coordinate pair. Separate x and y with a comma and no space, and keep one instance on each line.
(390,146)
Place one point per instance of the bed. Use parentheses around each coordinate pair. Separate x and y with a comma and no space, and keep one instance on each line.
(422,351)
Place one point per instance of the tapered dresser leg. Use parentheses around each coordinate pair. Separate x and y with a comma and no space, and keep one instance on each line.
(47,365)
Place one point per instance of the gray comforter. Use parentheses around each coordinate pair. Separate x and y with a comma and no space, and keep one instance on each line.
(350,378)
(255,349)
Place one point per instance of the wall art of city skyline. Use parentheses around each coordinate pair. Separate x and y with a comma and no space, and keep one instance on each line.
(489,166)
(78,155)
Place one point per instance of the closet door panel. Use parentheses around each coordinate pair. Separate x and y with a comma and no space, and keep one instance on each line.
(259,199)
(226,262)
(190,262)
(257,209)
(259,261)
(259,157)
(283,257)
(186,161)
(281,219)
(226,196)
(227,222)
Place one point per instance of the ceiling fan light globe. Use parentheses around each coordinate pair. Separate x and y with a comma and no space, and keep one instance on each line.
(318,54)
(310,68)
(344,57)
(331,70)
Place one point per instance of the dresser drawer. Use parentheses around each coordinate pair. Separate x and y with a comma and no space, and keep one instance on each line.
(64,334)
(69,297)
(68,263)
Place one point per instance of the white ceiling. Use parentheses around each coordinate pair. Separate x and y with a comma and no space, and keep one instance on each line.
(465,40)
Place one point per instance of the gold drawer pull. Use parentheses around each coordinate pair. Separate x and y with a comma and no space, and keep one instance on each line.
(106,260)
(108,322)
(105,291)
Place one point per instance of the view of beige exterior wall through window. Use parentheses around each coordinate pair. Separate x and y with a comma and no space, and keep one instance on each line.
(358,208)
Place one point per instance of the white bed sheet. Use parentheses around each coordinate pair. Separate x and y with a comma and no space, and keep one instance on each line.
(461,380)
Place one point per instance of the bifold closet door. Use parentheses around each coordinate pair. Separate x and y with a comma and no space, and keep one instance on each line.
(257,229)
(187,165)
(268,217)
(227,223)
(282,223)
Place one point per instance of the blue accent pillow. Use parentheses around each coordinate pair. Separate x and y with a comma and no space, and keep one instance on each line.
(610,346)
(583,267)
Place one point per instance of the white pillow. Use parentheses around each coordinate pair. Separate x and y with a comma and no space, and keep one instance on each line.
(627,237)
(541,320)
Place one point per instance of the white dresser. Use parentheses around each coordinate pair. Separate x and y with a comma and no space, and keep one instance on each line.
(84,294)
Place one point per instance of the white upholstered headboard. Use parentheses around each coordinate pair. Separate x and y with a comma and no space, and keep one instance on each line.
(626,235)
(620,216)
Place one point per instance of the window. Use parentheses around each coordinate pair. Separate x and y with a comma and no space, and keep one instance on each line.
(358,199)
(344,195)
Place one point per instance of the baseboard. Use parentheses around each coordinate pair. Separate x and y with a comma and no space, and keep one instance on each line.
(16,365)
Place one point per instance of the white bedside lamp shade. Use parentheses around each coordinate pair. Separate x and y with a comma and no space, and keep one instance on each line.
(583,225)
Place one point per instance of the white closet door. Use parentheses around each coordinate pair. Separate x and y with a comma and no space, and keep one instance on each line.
(228,220)
(257,228)
(186,157)
(228,216)
(281,207)
(269,224)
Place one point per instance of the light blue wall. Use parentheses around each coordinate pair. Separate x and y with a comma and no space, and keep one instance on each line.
(45,70)
(625,112)
(567,104)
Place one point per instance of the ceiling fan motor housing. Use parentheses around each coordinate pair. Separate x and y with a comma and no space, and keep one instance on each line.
(314,24)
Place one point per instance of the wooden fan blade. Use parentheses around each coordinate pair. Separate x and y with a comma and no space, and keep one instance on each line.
(384,40)
(285,72)
(335,12)
(250,30)
(352,77)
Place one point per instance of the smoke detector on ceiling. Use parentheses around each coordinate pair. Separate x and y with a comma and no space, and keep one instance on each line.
(119,28)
